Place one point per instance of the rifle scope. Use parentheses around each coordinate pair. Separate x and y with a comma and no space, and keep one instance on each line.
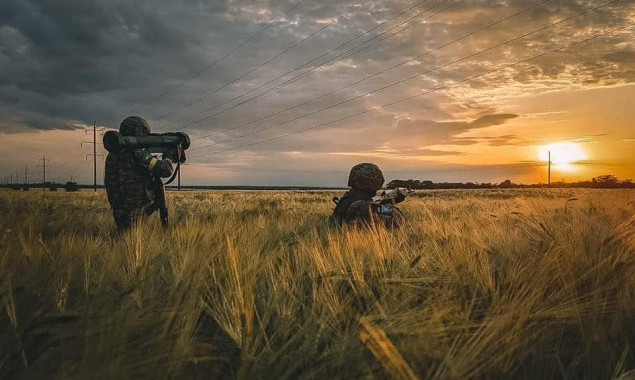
(115,142)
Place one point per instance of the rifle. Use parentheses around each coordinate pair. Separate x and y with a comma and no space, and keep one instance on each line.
(388,196)
(387,199)
(392,196)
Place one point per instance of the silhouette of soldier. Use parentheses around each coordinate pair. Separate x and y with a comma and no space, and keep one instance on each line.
(361,205)
(128,175)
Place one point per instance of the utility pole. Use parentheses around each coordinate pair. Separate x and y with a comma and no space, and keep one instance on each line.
(26,175)
(179,177)
(94,154)
(549,170)
(44,166)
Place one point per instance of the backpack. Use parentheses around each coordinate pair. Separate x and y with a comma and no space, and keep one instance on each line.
(342,205)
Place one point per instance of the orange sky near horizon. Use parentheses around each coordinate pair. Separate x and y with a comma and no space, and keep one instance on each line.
(567,117)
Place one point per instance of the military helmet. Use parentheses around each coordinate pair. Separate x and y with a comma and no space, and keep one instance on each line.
(134,126)
(366,176)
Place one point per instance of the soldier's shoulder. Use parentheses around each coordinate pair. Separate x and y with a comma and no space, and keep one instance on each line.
(360,207)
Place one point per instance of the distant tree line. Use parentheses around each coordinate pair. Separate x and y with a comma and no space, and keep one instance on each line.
(601,182)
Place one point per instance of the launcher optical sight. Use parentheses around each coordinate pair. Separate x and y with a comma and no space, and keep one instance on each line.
(155,142)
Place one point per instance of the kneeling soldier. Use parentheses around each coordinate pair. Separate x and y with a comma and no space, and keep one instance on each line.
(361,204)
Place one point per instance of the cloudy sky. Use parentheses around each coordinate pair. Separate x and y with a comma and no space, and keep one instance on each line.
(295,92)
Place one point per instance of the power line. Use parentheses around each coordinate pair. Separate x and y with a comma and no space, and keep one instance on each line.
(252,37)
(72,162)
(94,154)
(252,70)
(375,74)
(43,166)
(355,52)
(350,52)
(418,74)
(313,60)
(549,170)
(427,92)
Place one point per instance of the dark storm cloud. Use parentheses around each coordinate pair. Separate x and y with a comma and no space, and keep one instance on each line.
(67,58)
(98,59)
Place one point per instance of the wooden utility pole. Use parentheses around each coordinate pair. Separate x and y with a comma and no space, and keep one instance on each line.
(26,174)
(94,154)
(549,170)
(43,159)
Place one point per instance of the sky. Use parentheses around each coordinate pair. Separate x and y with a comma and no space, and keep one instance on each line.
(291,92)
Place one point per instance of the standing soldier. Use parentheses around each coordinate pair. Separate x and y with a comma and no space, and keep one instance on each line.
(129,175)
(358,205)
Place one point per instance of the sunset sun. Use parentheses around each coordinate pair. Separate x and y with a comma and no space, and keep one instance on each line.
(563,154)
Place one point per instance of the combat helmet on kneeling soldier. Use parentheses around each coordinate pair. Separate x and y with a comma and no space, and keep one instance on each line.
(362,205)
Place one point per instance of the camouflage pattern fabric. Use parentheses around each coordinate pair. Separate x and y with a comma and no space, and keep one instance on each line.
(128,179)
(356,208)
(134,126)
(128,176)
(366,177)
(357,205)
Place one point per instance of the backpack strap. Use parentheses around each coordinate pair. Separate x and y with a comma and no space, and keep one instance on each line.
(342,206)
(344,203)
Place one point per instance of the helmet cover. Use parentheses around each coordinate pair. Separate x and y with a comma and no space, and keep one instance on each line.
(134,126)
(366,176)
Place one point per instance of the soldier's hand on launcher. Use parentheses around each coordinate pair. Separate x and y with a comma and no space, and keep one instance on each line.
(173,155)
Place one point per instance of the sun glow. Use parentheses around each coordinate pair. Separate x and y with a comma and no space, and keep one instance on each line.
(563,154)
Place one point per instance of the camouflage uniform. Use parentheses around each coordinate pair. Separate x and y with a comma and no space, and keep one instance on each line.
(357,205)
(129,175)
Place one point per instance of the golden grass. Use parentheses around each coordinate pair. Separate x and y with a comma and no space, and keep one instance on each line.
(489,284)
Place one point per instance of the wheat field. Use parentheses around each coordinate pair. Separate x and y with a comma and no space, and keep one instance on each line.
(491,284)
